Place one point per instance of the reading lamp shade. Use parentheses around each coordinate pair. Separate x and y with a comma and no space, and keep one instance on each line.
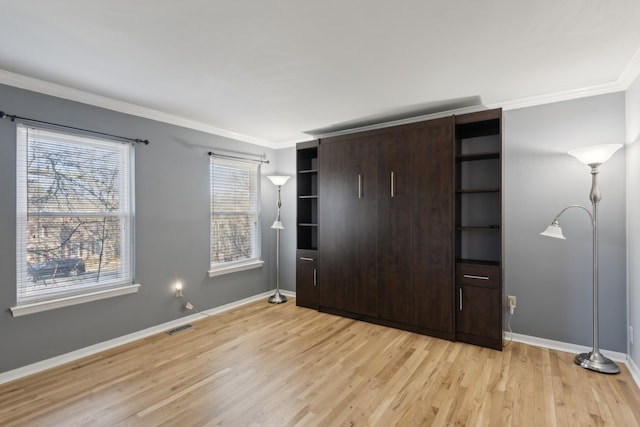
(554,231)
(595,154)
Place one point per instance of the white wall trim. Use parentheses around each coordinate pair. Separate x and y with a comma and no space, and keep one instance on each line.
(37,307)
(65,92)
(236,267)
(633,369)
(574,348)
(43,365)
(568,95)
(566,347)
(53,362)
(628,76)
(631,71)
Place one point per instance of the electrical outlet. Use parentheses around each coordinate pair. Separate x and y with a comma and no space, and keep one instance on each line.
(511,302)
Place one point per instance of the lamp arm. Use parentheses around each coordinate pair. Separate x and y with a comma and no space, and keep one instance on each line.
(575,206)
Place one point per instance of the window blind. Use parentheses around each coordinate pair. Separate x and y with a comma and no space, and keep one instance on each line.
(235,212)
(74,212)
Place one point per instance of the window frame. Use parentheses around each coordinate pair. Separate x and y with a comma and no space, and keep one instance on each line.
(33,301)
(255,261)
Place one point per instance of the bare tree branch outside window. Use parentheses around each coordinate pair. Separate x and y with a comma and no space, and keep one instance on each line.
(235,212)
(75,222)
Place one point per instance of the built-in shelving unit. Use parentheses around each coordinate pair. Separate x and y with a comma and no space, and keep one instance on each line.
(307,224)
(307,178)
(479,228)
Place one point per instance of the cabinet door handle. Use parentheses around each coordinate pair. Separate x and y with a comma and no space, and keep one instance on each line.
(304,258)
(315,277)
(460,298)
(472,276)
(359,186)
(393,193)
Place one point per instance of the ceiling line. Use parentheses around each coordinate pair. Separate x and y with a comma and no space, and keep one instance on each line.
(630,73)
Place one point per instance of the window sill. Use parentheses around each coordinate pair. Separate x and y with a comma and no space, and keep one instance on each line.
(235,268)
(37,307)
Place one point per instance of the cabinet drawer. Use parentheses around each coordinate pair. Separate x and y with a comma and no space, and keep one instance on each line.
(307,257)
(486,276)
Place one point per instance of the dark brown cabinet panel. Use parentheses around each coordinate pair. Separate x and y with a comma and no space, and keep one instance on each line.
(347,182)
(387,225)
(478,316)
(307,279)
(415,248)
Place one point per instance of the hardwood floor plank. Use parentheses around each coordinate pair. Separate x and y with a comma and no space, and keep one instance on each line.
(268,365)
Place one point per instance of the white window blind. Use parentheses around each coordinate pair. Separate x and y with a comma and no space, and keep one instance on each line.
(235,212)
(74,215)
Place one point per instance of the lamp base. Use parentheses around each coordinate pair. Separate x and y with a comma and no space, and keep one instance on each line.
(597,362)
(277,298)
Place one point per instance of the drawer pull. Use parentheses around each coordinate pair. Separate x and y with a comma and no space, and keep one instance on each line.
(315,277)
(472,276)
(304,258)
(460,298)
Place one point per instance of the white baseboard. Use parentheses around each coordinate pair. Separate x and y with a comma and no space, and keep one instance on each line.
(566,347)
(33,368)
(573,348)
(635,372)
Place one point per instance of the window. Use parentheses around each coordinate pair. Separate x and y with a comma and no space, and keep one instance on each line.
(235,215)
(72,192)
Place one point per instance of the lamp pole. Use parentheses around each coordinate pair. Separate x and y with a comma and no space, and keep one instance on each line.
(593,157)
(594,360)
(279,181)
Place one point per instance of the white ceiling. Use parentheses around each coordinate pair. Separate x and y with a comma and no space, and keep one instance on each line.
(267,71)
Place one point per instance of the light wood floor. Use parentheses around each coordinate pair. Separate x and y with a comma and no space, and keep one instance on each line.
(281,365)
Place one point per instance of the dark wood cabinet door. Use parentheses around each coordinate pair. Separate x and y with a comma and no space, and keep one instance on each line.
(395,230)
(415,233)
(478,315)
(306,280)
(347,183)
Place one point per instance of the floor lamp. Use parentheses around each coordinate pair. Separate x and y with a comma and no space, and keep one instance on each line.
(279,181)
(592,156)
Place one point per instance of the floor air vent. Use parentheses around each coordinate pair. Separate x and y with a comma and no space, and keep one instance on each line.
(178,329)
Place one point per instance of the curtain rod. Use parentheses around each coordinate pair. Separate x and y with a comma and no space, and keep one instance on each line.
(4,115)
(212,154)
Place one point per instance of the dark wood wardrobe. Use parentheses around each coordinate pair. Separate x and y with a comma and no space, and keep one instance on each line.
(386,216)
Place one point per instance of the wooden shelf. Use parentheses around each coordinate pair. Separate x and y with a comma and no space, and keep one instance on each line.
(479,227)
(477,262)
(478,190)
(478,156)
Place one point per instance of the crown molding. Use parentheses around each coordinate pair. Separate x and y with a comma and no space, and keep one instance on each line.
(568,95)
(631,72)
(65,92)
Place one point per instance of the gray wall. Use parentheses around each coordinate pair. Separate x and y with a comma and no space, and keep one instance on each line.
(552,278)
(172,232)
(633,213)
